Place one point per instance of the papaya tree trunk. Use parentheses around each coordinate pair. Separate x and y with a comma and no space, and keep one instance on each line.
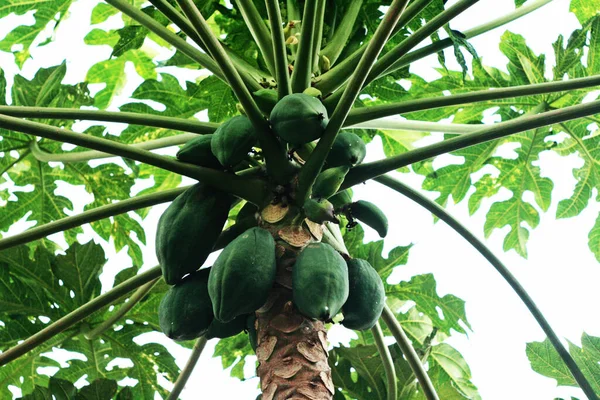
(291,348)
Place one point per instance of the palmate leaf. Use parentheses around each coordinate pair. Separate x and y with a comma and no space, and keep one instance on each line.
(545,360)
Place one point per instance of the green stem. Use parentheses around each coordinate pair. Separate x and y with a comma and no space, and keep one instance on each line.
(259,32)
(186,372)
(85,156)
(275,156)
(336,76)
(469,34)
(442,214)
(279,50)
(253,190)
(177,42)
(311,169)
(359,115)
(387,361)
(79,314)
(371,170)
(416,126)
(409,353)
(318,33)
(303,64)
(409,43)
(334,48)
(96,214)
(133,300)
(158,121)
(249,74)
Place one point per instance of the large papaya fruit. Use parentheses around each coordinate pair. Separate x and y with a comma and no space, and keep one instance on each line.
(243,274)
(222,330)
(188,229)
(185,311)
(367,296)
(232,141)
(370,214)
(198,152)
(329,181)
(348,149)
(319,281)
(319,211)
(299,118)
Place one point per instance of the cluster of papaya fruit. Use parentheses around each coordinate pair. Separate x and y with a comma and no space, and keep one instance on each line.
(221,301)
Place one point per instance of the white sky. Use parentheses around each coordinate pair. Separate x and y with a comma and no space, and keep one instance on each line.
(560,274)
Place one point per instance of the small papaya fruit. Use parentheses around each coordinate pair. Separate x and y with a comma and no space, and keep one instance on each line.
(319,211)
(185,311)
(243,274)
(319,281)
(314,92)
(265,100)
(232,141)
(304,151)
(198,152)
(367,296)
(370,214)
(329,181)
(342,198)
(222,330)
(348,149)
(188,230)
(299,118)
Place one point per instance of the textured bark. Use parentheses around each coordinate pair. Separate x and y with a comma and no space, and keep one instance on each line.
(291,349)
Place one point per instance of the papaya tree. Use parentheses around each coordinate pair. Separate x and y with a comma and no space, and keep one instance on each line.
(272,130)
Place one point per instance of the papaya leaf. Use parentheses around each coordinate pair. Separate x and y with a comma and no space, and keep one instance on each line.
(583,9)
(102,12)
(61,389)
(100,389)
(233,352)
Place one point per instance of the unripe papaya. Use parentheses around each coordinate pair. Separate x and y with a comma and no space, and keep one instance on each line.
(299,118)
(367,296)
(243,274)
(319,211)
(198,152)
(232,141)
(305,150)
(265,100)
(185,311)
(188,230)
(370,214)
(342,198)
(348,149)
(314,92)
(222,330)
(329,181)
(319,281)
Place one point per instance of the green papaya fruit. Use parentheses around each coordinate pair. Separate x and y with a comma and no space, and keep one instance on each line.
(299,118)
(222,330)
(251,328)
(265,100)
(319,281)
(319,211)
(314,92)
(188,230)
(185,311)
(348,149)
(232,141)
(371,215)
(329,181)
(304,151)
(342,198)
(243,274)
(198,152)
(367,296)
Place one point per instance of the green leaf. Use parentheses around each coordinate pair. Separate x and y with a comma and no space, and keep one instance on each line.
(358,371)
(102,12)
(594,239)
(524,66)
(233,352)
(451,372)
(545,361)
(130,38)
(39,393)
(100,389)
(583,9)
(593,58)
(61,389)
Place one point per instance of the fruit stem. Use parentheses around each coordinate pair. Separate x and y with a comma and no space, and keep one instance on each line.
(335,46)
(318,34)
(311,169)
(186,372)
(259,32)
(374,169)
(409,353)
(279,50)
(387,361)
(442,214)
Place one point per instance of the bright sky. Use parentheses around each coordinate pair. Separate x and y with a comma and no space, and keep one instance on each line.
(560,274)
